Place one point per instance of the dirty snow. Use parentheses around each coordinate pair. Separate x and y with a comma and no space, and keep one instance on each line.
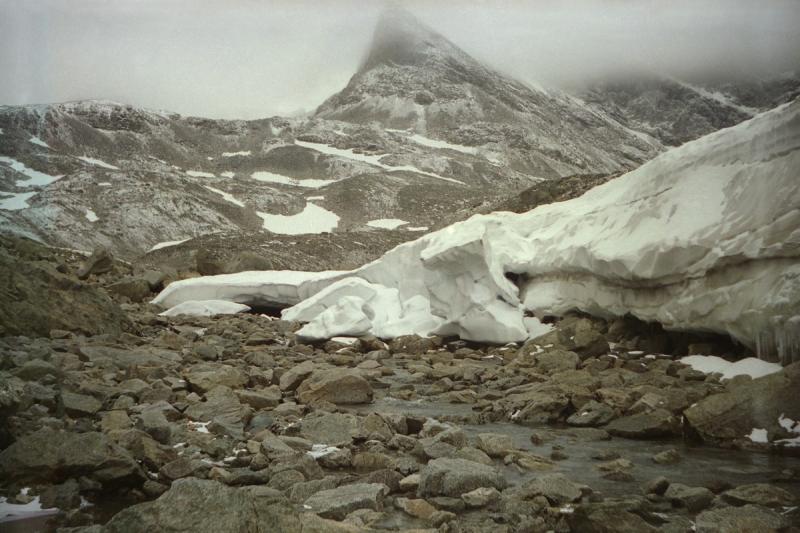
(200,174)
(91,216)
(165,244)
(97,162)
(225,196)
(37,141)
(234,154)
(386,223)
(270,177)
(206,308)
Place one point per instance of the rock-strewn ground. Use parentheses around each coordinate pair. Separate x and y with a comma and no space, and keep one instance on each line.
(230,424)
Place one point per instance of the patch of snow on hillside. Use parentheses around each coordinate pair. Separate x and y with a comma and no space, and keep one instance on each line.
(750,366)
(200,174)
(270,177)
(165,244)
(417,228)
(435,143)
(91,216)
(315,198)
(234,154)
(227,174)
(374,160)
(97,162)
(37,141)
(104,184)
(226,196)
(386,223)
(35,178)
(312,219)
(17,200)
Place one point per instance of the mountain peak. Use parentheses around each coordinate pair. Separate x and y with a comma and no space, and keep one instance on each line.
(402,39)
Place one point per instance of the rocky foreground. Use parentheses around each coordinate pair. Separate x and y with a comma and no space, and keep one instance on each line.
(119,419)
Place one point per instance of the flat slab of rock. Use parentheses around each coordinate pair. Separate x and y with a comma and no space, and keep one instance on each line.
(652,425)
(341,501)
(454,477)
(760,494)
(739,519)
(338,386)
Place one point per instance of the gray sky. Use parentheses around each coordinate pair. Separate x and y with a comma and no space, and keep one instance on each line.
(254,58)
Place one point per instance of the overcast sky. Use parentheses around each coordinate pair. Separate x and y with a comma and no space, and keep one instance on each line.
(257,58)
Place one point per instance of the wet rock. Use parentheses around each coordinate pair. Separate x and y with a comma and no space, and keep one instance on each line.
(134,289)
(657,485)
(494,444)
(63,496)
(655,424)
(206,506)
(746,405)
(694,499)
(50,456)
(759,494)
(454,477)
(739,519)
(100,262)
(338,386)
(592,414)
(338,503)
(667,457)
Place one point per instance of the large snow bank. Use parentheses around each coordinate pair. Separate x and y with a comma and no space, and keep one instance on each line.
(704,237)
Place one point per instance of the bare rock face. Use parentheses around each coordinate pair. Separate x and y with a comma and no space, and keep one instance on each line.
(38,298)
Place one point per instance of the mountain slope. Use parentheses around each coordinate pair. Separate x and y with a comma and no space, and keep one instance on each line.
(413,78)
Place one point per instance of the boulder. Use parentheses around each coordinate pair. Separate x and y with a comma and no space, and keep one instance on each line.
(206,506)
(592,414)
(551,361)
(206,376)
(611,516)
(494,444)
(747,404)
(100,262)
(51,456)
(78,405)
(292,378)
(134,289)
(454,477)
(655,424)
(333,429)
(694,499)
(343,500)
(738,519)
(759,494)
(555,487)
(338,386)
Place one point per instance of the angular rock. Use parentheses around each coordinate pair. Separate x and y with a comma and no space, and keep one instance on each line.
(341,501)
(592,414)
(51,456)
(494,444)
(655,424)
(340,386)
(454,477)
(135,289)
(555,487)
(694,499)
(481,497)
(759,494)
(292,378)
(100,262)
(80,404)
(608,517)
(740,519)
(205,377)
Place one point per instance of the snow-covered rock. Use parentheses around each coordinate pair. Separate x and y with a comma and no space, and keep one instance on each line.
(704,237)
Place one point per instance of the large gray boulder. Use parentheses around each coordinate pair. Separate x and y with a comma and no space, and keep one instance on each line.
(343,500)
(454,477)
(52,456)
(738,519)
(654,424)
(338,386)
(747,404)
(205,506)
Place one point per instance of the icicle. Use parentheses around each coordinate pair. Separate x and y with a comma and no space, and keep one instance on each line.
(780,342)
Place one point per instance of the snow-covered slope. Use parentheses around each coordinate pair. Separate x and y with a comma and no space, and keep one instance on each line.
(704,237)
